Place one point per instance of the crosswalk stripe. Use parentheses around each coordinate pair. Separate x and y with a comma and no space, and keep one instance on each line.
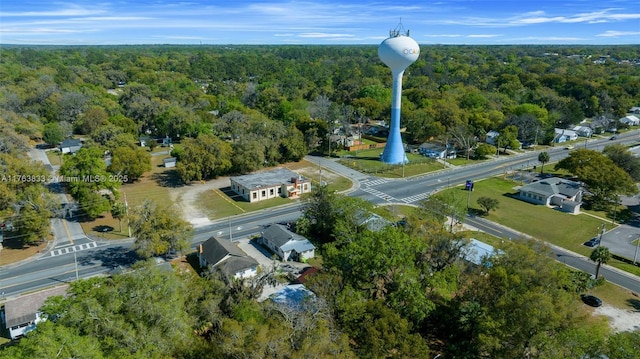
(76,248)
(375,182)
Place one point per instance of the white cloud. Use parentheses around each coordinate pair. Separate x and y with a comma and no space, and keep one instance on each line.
(443,35)
(546,39)
(70,10)
(323,35)
(612,33)
(484,35)
(35,30)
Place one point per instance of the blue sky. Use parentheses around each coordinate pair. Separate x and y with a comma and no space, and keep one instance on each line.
(492,22)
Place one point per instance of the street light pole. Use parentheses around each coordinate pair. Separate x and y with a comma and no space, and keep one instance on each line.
(635,256)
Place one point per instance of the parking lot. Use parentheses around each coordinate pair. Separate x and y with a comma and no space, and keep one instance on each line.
(619,239)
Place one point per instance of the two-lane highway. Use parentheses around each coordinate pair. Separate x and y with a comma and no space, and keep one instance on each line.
(98,257)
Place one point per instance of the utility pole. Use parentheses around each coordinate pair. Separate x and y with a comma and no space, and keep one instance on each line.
(126,213)
(635,256)
(601,233)
(469,187)
(75,260)
(230,235)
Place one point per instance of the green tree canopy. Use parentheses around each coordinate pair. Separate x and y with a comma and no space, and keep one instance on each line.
(52,134)
(88,180)
(204,157)
(602,177)
(543,157)
(600,255)
(488,204)
(623,158)
(130,163)
(158,230)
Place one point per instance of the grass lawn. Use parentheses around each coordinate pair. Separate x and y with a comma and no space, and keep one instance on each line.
(153,185)
(616,296)
(311,170)
(368,161)
(395,211)
(218,203)
(537,221)
(54,157)
(91,228)
(463,161)
(483,237)
(552,226)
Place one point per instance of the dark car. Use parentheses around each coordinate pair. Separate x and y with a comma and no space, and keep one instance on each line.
(613,137)
(592,242)
(591,300)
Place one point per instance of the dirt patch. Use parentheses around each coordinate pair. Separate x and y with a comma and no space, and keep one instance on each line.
(185,198)
(621,320)
(312,171)
(12,255)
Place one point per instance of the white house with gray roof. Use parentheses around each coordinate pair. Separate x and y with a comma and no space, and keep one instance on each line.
(70,145)
(22,314)
(631,120)
(224,255)
(261,186)
(554,192)
(286,244)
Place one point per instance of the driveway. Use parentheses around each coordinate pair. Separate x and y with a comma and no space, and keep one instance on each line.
(261,255)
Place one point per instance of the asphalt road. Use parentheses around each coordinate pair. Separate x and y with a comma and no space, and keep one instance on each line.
(99,257)
(571,259)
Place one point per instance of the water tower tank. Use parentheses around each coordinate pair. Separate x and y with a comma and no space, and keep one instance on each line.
(398,52)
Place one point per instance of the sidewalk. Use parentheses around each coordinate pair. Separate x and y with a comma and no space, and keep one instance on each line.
(333,165)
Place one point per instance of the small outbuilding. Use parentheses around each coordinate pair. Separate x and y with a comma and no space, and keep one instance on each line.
(563,135)
(169,162)
(70,145)
(145,140)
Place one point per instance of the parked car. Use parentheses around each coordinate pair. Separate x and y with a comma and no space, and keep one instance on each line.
(592,242)
(591,300)
(613,137)
(568,147)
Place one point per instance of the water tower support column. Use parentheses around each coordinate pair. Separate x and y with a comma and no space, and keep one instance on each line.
(394,150)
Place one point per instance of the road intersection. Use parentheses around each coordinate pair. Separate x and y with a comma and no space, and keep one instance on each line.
(73,254)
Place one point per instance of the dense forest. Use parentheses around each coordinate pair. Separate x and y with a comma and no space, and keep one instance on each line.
(398,293)
(275,104)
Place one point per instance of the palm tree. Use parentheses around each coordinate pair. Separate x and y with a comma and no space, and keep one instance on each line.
(600,255)
(543,157)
